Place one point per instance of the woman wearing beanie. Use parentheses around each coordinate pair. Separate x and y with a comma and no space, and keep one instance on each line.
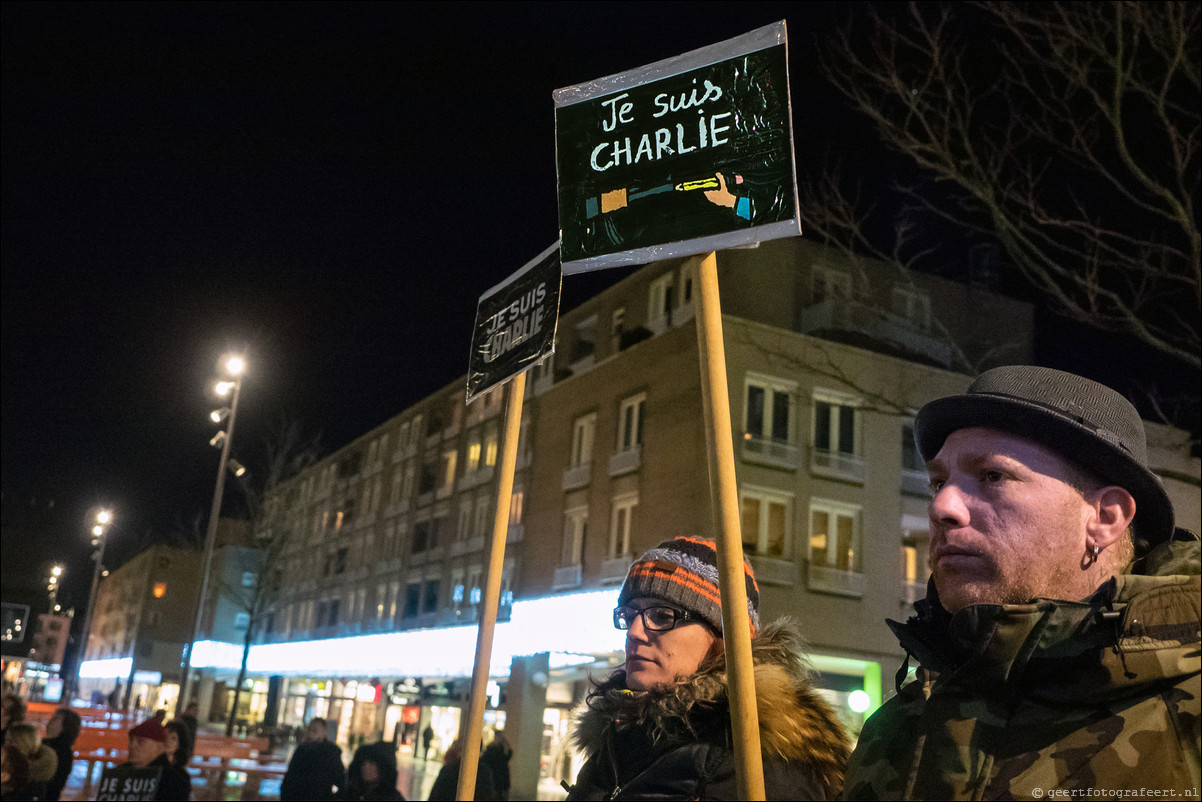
(659,728)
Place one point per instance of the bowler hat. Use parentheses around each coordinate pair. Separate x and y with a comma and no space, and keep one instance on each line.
(1084,421)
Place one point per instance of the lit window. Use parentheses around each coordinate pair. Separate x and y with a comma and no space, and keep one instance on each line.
(767,518)
(835,535)
(490,445)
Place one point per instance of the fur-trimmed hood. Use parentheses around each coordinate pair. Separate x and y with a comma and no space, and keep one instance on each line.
(42,764)
(796,723)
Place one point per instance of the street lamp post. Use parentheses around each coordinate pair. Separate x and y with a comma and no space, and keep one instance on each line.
(234,366)
(103,519)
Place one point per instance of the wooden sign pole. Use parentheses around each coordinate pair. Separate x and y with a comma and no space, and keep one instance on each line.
(736,627)
(473,725)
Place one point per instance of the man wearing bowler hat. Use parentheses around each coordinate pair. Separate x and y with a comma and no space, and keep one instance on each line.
(1057,649)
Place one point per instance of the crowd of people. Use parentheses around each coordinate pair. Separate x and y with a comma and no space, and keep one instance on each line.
(1056,652)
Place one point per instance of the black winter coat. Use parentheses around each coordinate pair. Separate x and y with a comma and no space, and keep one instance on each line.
(675,742)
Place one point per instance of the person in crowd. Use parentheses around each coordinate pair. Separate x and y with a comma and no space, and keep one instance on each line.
(1058,643)
(189,718)
(315,771)
(447,781)
(372,774)
(659,728)
(14,774)
(12,711)
(427,739)
(179,743)
(24,737)
(497,755)
(61,731)
(148,747)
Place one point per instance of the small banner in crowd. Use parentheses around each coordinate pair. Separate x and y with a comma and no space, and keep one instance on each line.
(688,155)
(515,323)
(129,782)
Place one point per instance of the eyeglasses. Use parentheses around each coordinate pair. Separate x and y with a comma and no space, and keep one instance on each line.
(656,619)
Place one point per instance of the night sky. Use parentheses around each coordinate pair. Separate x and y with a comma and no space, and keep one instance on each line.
(328,187)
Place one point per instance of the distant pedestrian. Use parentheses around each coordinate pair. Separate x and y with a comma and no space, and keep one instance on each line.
(447,782)
(373,773)
(315,771)
(427,738)
(188,717)
(497,755)
(61,731)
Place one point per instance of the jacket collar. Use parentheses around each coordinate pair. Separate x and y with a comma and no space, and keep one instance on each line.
(1130,618)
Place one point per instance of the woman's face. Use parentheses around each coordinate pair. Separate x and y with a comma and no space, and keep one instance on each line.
(657,658)
(172,743)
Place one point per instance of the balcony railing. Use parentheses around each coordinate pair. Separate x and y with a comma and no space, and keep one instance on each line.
(842,314)
(837,465)
(626,461)
(614,568)
(773,570)
(566,577)
(769,451)
(578,476)
(825,579)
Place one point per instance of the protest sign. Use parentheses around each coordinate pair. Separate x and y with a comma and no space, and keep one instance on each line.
(685,156)
(515,323)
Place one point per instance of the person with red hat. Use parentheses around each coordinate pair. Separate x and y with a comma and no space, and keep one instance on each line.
(1057,645)
(659,727)
(148,748)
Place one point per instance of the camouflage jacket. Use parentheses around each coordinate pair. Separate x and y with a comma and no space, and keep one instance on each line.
(1039,700)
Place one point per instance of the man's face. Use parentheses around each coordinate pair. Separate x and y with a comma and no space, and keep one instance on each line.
(655,658)
(1006,526)
(143,751)
(316,731)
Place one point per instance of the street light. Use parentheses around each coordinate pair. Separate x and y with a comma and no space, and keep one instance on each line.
(103,519)
(234,366)
(56,571)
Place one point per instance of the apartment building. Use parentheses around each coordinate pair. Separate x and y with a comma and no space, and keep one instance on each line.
(144,614)
(827,362)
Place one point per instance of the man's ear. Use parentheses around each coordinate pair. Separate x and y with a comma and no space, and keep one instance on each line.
(1112,511)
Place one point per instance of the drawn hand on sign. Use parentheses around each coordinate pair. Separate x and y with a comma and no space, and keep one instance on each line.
(722,196)
(713,188)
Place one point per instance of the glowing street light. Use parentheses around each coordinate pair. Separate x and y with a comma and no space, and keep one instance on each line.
(234,366)
(52,586)
(103,519)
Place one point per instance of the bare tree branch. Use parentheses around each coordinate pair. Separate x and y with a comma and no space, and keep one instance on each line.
(1068,133)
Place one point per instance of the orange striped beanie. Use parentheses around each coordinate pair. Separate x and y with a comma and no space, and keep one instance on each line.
(684,572)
